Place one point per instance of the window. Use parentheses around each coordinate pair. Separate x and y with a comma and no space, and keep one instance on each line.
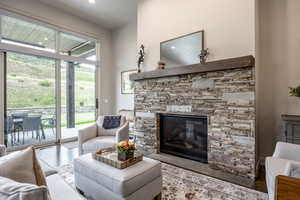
(50,82)
(26,34)
(77,97)
(30,100)
(74,46)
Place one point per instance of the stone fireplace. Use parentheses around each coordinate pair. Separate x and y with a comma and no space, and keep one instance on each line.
(216,99)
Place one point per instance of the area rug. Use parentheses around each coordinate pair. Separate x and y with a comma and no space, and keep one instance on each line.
(182,184)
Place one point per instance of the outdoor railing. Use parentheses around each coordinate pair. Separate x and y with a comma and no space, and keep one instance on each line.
(48,110)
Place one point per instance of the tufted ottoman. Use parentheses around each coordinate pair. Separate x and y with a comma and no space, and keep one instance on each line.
(99,181)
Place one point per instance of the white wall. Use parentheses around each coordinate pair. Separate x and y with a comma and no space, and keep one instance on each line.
(229,26)
(61,19)
(125,58)
(278,65)
(160,20)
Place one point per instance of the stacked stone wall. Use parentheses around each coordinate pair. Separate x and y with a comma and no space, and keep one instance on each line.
(227,98)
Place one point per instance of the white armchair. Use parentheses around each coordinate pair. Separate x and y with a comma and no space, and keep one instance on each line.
(285,156)
(95,137)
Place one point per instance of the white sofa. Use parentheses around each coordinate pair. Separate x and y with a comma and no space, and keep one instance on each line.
(95,137)
(280,163)
(57,187)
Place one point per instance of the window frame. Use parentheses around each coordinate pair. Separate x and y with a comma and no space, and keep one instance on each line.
(4,47)
(58,31)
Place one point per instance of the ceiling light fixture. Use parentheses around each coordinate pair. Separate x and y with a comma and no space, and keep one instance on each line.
(92,1)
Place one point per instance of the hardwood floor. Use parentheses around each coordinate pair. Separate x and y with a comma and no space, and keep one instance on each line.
(260,183)
(64,154)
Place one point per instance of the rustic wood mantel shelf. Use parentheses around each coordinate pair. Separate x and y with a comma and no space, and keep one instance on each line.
(220,65)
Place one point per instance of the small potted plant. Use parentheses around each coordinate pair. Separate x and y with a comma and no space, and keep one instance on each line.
(295,91)
(125,150)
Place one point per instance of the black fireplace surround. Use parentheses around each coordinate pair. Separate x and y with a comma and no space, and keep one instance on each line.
(184,136)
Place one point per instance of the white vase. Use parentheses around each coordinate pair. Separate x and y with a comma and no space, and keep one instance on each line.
(294,105)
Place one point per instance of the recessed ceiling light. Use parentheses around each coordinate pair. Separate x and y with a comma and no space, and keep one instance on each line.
(92,1)
(173,47)
(46,39)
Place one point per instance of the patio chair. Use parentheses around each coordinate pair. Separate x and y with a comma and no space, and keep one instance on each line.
(49,122)
(31,124)
(10,129)
(18,122)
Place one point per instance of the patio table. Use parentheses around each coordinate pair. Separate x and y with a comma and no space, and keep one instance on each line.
(19,121)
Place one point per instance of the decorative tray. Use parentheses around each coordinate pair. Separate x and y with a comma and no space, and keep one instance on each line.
(110,157)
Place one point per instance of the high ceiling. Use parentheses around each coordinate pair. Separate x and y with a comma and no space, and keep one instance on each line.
(21,32)
(109,14)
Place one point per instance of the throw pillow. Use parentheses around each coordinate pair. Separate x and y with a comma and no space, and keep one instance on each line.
(12,190)
(23,167)
(111,122)
(294,170)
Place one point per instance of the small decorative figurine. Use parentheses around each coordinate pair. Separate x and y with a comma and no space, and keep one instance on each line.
(141,57)
(203,56)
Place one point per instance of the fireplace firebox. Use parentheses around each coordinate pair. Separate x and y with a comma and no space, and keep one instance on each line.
(184,136)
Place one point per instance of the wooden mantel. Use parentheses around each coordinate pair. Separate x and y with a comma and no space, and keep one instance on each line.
(220,65)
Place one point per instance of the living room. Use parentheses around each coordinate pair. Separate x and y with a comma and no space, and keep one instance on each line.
(149,99)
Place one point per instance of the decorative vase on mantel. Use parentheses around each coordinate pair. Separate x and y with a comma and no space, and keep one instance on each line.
(125,150)
(293,106)
(161,65)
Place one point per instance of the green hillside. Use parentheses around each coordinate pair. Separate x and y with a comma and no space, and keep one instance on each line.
(31,82)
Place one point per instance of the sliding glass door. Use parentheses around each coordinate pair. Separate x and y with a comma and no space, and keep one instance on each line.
(78,97)
(30,103)
(50,77)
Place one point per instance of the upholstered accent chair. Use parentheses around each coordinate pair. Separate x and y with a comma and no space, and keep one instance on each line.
(284,165)
(94,137)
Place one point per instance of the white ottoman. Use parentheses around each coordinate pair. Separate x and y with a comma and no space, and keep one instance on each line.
(100,181)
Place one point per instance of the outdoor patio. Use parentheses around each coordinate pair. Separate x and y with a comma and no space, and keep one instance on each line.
(50,136)
(38,125)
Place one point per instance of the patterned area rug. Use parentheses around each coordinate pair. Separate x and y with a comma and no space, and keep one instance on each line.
(180,184)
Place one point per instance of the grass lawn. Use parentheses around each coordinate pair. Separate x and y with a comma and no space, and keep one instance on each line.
(80,118)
